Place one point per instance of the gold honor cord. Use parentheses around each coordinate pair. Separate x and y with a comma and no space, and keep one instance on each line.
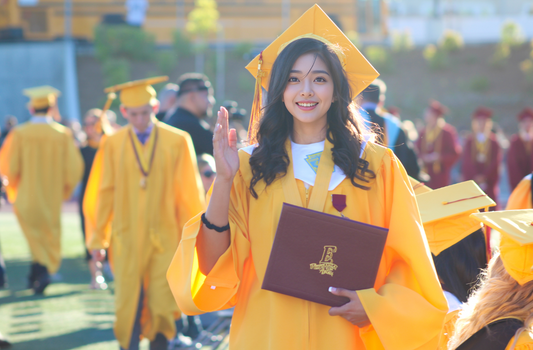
(145,173)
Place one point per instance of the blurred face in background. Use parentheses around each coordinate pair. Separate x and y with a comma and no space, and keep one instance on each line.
(89,127)
(139,117)
(430,117)
(526,125)
(481,125)
(208,176)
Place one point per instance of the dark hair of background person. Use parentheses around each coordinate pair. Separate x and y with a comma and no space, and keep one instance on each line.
(41,110)
(374,91)
(192,81)
(270,160)
(459,266)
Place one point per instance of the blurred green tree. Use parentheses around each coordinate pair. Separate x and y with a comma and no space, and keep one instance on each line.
(451,41)
(202,21)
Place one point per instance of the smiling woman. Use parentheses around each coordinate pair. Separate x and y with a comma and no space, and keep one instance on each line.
(310,150)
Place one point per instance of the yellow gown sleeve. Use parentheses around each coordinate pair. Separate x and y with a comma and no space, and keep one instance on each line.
(10,165)
(524,342)
(99,199)
(520,198)
(189,194)
(196,293)
(448,329)
(408,310)
(73,167)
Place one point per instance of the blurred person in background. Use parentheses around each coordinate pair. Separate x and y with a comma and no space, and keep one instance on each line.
(43,167)
(93,132)
(520,155)
(237,118)
(437,146)
(482,154)
(194,103)
(388,127)
(208,170)
(167,97)
(147,187)
(9,123)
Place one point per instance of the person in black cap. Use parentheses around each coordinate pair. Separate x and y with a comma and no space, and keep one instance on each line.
(194,104)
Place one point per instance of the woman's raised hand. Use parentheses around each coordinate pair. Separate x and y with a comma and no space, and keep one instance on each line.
(225,148)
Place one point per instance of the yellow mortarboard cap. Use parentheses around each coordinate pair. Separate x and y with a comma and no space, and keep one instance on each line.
(419,187)
(136,93)
(516,245)
(316,24)
(42,96)
(446,213)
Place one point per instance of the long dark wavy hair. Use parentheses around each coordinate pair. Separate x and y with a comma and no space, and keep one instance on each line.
(270,160)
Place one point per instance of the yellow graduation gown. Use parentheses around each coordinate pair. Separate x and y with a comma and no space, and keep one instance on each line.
(406,307)
(142,226)
(448,329)
(520,198)
(43,166)
(524,342)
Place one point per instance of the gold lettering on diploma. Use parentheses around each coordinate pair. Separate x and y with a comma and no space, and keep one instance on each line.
(326,265)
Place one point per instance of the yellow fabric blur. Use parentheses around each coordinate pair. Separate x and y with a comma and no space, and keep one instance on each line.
(516,245)
(520,198)
(42,96)
(137,93)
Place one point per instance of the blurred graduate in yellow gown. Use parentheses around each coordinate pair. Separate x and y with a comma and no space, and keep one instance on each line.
(310,145)
(143,187)
(43,166)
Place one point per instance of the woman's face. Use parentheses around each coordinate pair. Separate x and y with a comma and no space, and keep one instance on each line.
(309,92)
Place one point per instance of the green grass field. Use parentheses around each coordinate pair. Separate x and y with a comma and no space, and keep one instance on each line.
(70,315)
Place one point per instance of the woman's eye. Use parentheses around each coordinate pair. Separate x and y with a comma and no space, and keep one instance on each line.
(320,80)
(293,80)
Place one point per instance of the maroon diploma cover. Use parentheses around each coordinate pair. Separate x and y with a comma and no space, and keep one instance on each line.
(313,251)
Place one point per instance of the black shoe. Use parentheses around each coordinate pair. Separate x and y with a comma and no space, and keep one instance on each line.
(33,275)
(4,344)
(42,280)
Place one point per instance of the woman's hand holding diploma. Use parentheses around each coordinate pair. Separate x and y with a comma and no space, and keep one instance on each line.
(352,311)
(210,243)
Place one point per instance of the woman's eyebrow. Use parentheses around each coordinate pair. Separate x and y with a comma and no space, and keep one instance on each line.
(313,72)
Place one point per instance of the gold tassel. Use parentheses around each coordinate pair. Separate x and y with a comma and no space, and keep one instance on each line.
(255,114)
(104,127)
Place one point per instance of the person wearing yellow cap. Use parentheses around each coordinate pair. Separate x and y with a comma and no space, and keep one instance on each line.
(521,196)
(456,242)
(43,166)
(499,314)
(143,187)
(312,72)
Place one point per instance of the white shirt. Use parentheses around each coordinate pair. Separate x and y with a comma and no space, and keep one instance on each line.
(305,159)
(41,119)
(453,302)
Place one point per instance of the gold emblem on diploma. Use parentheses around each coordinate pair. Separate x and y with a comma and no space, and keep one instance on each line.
(326,265)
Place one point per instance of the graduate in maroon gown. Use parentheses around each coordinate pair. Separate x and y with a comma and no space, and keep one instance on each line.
(482,154)
(438,146)
(520,155)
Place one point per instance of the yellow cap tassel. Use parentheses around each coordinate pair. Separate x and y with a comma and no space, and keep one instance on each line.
(255,114)
(104,126)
